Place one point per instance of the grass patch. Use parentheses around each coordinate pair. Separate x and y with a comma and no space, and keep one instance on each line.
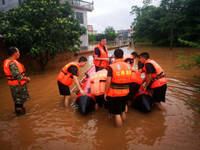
(197,77)
(185,67)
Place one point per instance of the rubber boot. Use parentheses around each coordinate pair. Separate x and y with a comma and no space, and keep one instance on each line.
(20,112)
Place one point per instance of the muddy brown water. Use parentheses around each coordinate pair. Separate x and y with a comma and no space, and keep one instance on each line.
(49,126)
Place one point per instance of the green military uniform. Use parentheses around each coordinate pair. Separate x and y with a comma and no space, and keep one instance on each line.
(19,92)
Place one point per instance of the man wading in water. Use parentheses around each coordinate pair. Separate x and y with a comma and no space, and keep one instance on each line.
(101,59)
(117,87)
(155,79)
(67,75)
(15,73)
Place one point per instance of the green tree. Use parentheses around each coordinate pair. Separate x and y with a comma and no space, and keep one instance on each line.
(164,25)
(41,29)
(92,37)
(190,22)
(147,25)
(110,33)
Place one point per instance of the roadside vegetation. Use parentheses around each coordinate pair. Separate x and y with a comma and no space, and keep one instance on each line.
(109,33)
(172,23)
(41,29)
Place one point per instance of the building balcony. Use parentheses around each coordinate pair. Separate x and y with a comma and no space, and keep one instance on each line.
(83,5)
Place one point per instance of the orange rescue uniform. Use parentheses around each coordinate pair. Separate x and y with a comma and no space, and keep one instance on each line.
(66,77)
(103,54)
(157,82)
(136,77)
(121,79)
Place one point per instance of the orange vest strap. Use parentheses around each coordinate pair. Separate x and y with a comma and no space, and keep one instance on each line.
(102,80)
(159,76)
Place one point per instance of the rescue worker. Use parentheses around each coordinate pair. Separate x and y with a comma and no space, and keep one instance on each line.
(155,79)
(67,75)
(128,58)
(15,73)
(136,79)
(137,61)
(136,82)
(101,59)
(134,55)
(98,82)
(117,87)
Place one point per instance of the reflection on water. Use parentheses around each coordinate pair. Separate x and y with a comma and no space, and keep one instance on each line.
(48,125)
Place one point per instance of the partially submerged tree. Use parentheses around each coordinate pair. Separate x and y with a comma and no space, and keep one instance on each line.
(110,33)
(165,24)
(92,37)
(41,29)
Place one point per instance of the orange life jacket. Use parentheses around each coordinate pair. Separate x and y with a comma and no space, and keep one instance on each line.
(66,77)
(12,80)
(98,82)
(121,79)
(136,77)
(141,92)
(159,70)
(103,54)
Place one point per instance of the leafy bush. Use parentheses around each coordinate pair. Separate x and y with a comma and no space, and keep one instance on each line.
(41,29)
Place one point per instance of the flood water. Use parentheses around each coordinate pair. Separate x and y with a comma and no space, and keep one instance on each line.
(48,125)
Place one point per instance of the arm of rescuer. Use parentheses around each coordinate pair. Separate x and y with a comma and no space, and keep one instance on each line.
(148,80)
(108,82)
(77,82)
(97,58)
(140,66)
(149,70)
(74,71)
(16,74)
(97,55)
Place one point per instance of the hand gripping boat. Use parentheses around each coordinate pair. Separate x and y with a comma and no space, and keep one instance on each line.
(86,103)
(143,101)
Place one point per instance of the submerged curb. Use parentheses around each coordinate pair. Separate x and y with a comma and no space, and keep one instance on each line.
(91,51)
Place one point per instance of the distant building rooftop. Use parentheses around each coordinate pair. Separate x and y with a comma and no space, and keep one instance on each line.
(83,5)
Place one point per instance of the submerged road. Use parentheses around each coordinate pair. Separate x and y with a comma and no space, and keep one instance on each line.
(49,125)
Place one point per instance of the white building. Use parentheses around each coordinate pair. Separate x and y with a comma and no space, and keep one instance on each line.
(80,8)
(90,30)
(5,5)
(125,34)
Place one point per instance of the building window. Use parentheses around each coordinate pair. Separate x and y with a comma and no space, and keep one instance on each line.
(79,16)
(20,2)
(3,2)
(76,2)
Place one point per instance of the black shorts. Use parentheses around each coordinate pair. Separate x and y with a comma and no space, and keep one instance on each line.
(116,104)
(63,89)
(159,93)
(134,87)
(101,102)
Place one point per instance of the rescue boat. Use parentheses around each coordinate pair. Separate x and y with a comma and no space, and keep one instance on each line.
(143,101)
(86,103)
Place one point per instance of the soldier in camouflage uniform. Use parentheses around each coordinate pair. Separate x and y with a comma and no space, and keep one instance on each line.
(19,91)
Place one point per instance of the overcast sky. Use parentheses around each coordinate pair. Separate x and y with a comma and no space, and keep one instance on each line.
(115,13)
